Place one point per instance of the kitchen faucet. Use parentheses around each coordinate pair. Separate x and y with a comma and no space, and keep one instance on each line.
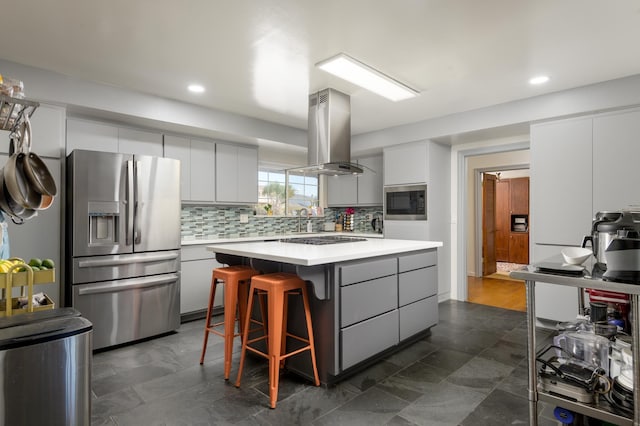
(306,213)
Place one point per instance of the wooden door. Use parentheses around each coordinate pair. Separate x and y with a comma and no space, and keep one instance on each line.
(502,220)
(488,224)
(519,195)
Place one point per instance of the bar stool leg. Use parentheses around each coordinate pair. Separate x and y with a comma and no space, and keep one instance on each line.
(274,314)
(230,305)
(212,294)
(245,336)
(307,312)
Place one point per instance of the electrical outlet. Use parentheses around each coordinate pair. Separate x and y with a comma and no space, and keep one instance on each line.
(244,218)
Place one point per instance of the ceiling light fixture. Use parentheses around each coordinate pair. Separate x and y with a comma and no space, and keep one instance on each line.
(356,72)
(541,79)
(195,88)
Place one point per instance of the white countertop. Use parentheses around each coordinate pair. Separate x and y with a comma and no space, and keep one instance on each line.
(309,255)
(202,241)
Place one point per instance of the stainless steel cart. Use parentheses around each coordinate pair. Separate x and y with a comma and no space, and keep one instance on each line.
(598,411)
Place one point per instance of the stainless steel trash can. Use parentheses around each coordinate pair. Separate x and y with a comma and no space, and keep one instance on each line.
(45,368)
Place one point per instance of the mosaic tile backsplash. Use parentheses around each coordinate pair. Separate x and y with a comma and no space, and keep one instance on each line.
(208,222)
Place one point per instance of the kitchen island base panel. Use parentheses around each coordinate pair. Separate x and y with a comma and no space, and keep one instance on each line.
(363,321)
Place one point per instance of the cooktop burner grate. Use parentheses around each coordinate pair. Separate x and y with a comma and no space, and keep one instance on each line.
(319,241)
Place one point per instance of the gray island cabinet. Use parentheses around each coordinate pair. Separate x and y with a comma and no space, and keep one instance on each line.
(363,307)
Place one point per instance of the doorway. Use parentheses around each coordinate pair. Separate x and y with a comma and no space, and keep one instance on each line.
(501,218)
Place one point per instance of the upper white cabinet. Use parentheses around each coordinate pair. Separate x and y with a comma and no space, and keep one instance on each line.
(370,181)
(47,131)
(236,174)
(406,164)
(202,170)
(561,175)
(138,142)
(342,190)
(615,154)
(91,135)
(361,190)
(180,149)
(197,166)
(97,136)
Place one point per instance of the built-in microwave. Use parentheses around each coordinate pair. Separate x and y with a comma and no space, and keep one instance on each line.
(406,202)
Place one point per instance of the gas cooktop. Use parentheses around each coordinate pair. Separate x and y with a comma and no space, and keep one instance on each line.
(319,241)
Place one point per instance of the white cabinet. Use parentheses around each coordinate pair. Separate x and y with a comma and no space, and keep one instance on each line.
(97,136)
(615,156)
(561,188)
(203,166)
(195,279)
(361,190)
(91,135)
(180,149)
(370,181)
(342,190)
(236,174)
(197,166)
(406,163)
(139,142)
(47,131)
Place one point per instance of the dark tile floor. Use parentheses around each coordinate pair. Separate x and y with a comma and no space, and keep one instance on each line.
(471,370)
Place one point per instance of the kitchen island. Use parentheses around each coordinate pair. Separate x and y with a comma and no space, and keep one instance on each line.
(370,296)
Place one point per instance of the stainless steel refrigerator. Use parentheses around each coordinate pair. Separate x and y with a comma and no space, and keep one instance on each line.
(122,244)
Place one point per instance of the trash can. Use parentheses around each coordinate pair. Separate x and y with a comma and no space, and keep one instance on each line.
(45,368)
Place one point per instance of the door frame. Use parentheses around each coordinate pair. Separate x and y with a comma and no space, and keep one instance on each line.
(477,181)
(462,206)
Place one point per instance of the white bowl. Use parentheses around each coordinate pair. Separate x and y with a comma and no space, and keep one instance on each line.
(576,255)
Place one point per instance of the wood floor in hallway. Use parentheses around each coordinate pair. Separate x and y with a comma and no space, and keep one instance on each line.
(501,293)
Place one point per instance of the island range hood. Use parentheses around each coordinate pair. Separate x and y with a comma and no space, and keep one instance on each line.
(329,138)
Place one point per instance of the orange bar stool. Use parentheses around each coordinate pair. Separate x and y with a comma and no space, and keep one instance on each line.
(277,287)
(235,278)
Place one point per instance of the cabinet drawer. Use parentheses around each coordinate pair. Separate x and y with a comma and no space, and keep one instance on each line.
(366,339)
(417,261)
(417,284)
(368,299)
(362,271)
(418,316)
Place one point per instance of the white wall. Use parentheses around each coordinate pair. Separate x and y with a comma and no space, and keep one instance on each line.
(484,162)
(111,102)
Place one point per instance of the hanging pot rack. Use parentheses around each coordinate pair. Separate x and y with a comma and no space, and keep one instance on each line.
(14,110)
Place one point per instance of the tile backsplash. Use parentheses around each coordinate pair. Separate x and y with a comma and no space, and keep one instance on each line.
(207,222)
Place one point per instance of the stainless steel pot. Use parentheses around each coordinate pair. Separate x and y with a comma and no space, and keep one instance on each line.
(604,229)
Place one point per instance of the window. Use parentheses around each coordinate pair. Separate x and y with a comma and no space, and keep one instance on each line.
(302,192)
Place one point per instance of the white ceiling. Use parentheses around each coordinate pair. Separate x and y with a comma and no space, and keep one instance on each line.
(256,57)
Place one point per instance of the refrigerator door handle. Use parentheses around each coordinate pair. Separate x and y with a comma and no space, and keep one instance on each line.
(129,207)
(147,258)
(137,235)
(128,284)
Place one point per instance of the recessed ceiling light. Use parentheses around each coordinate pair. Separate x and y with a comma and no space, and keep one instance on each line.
(540,79)
(356,72)
(195,88)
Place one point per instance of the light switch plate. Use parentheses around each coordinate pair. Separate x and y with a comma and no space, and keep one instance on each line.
(244,218)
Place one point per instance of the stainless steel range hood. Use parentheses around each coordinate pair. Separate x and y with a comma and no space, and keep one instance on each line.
(329,146)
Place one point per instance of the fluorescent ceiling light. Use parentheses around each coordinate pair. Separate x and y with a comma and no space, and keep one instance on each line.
(354,71)
(541,79)
(195,88)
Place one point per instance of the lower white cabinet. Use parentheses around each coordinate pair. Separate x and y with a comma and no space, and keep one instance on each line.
(195,280)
